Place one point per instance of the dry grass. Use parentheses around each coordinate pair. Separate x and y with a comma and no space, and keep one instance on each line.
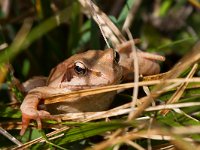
(149,127)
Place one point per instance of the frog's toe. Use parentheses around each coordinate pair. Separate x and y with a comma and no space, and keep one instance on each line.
(45,115)
(37,115)
(28,115)
(25,122)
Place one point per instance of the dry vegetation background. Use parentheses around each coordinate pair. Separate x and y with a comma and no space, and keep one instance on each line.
(35,35)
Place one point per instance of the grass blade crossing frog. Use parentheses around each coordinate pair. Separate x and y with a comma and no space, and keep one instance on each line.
(93,68)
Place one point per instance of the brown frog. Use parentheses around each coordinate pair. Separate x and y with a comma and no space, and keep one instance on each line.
(93,68)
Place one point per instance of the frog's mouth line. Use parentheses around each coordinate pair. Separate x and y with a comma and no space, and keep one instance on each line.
(84,87)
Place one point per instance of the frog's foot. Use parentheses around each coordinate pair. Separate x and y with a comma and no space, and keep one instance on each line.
(33,114)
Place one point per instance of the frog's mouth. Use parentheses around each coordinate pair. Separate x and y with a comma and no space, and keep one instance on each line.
(84,87)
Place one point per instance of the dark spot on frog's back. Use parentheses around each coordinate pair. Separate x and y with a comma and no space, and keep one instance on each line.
(116,57)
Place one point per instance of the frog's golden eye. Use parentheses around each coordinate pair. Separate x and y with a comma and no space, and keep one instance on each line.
(80,68)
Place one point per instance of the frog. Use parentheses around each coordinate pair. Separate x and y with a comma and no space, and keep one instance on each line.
(90,69)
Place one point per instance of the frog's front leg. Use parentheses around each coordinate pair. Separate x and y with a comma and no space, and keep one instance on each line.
(29,107)
(29,111)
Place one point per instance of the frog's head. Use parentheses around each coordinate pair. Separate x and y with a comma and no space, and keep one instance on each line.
(90,69)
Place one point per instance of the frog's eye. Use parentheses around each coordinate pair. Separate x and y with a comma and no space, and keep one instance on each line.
(80,68)
(116,57)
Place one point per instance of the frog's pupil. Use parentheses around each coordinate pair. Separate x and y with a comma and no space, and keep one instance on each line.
(80,70)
